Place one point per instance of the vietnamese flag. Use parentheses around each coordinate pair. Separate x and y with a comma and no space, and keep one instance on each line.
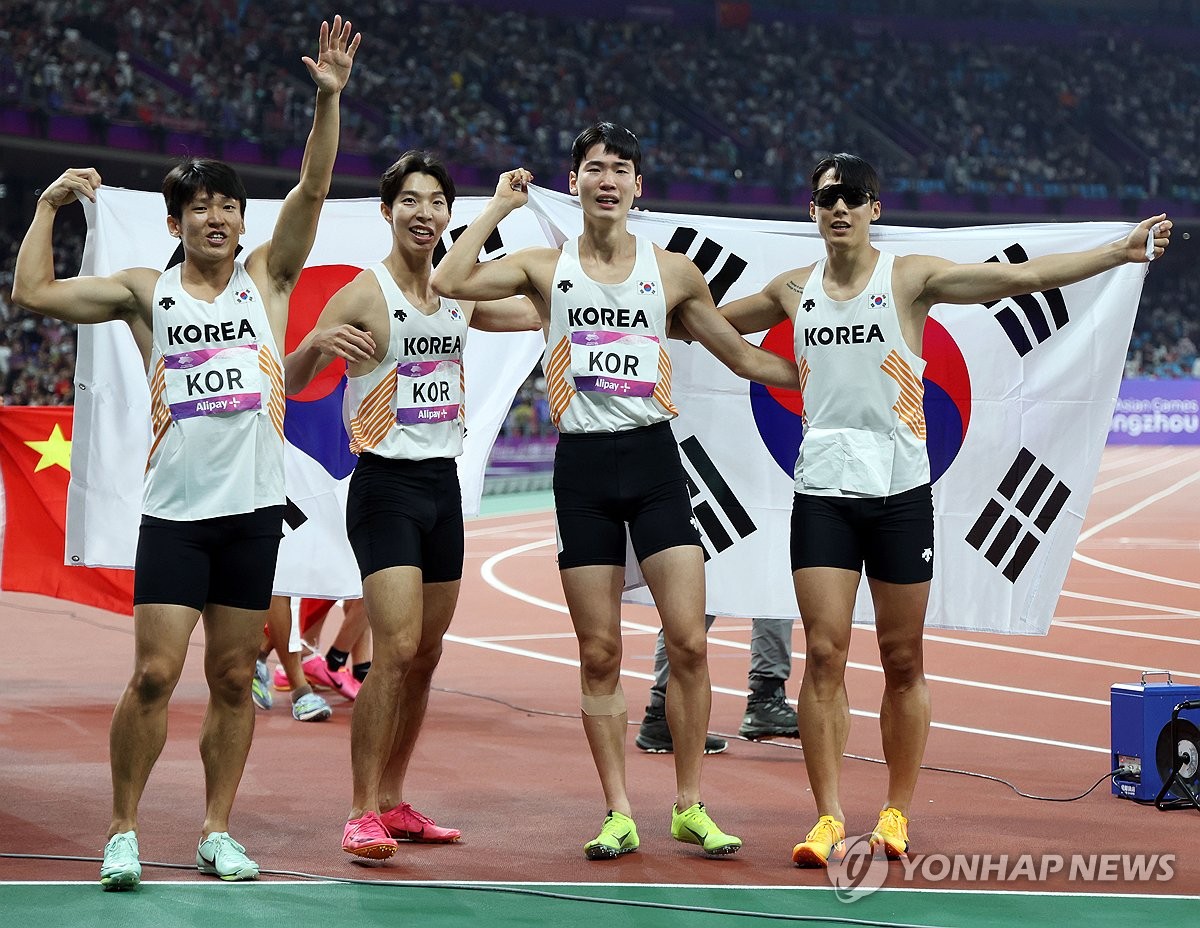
(35,461)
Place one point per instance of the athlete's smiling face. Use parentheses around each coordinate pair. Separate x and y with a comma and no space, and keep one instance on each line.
(843,214)
(420,212)
(209,226)
(605,183)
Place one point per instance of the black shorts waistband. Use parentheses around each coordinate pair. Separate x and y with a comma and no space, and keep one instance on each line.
(642,431)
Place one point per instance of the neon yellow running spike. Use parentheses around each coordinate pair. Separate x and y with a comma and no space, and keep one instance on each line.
(891,832)
(618,836)
(827,839)
(694,826)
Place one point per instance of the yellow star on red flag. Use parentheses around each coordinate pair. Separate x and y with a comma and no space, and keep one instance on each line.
(54,450)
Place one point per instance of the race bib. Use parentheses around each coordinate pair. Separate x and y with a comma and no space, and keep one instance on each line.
(428,391)
(614,362)
(213,381)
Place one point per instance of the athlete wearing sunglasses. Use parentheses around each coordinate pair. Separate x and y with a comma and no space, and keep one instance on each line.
(862,493)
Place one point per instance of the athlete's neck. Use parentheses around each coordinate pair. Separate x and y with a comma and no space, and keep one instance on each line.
(205,280)
(849,268)
(607,246)
(412,272)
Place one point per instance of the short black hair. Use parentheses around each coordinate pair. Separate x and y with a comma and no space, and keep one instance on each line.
(415,162)
(850,170)
(617,140)
(193,175)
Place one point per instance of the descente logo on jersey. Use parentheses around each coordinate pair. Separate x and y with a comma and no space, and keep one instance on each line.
(606,315)
(843,335)
(227,331)
(432,344)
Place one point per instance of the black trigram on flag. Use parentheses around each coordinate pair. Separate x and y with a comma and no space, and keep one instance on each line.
(293,515)
(491,248)
(710,495)
(1028,500)
(1032,323)
(705,257)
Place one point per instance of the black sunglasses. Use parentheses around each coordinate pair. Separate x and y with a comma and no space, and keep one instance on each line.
(827,197)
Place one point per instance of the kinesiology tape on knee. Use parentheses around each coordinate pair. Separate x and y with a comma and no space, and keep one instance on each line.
(613,704)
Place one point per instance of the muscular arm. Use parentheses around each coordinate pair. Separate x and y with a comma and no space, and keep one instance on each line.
(124,295)
(936,280)
(773,304)
(460,274)
(343,330)
(700,315)
(516,314)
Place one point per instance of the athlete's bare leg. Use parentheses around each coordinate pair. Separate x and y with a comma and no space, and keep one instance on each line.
(825,596)
(905,712)
(593,595)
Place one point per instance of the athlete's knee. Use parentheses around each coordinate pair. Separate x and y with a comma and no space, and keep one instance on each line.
(612,704)
(688,653)
(903,663)
(229,681)
(600,657)
(154,681)
(825,658)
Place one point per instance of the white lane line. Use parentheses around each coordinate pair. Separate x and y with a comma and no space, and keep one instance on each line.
(488,571)
(862,713)
(1173,612)
(541,525)
(1068,620)
(1158,466)
(1126,633)
(1130,572)
(1138,507)
(935,678)
(1049,655)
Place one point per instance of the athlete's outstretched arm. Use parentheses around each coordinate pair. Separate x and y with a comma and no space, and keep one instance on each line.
(947,282)
(710,328)
(296,228)
(768,307)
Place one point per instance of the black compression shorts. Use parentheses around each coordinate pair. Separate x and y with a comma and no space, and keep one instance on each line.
(226,561)
(892,536)
(406,514)
(603,481)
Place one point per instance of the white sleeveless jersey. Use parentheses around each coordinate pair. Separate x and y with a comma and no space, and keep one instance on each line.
(606,361)
(411,406)
(864,418)
(216,403)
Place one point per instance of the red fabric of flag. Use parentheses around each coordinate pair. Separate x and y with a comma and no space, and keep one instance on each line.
(35,461)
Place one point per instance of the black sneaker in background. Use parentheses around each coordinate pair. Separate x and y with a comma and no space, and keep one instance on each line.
(654,736)
(769,716)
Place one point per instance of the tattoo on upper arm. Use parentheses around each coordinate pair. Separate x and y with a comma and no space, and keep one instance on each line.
(795,287)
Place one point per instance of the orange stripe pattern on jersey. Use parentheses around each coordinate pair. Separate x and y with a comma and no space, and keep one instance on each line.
(910,406)
(558,390)
(374,416)
(805,370)
(662,389)
(276,405)
(160,415)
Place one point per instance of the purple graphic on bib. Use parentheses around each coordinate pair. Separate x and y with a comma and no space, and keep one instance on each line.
(215,405)
(411,415)
(185,360)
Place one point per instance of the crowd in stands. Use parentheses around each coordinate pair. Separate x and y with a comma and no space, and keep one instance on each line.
(752,105)
(1026,113)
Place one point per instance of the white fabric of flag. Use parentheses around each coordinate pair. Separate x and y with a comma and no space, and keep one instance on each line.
(1041,376)
(127,228)
(1040,399)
